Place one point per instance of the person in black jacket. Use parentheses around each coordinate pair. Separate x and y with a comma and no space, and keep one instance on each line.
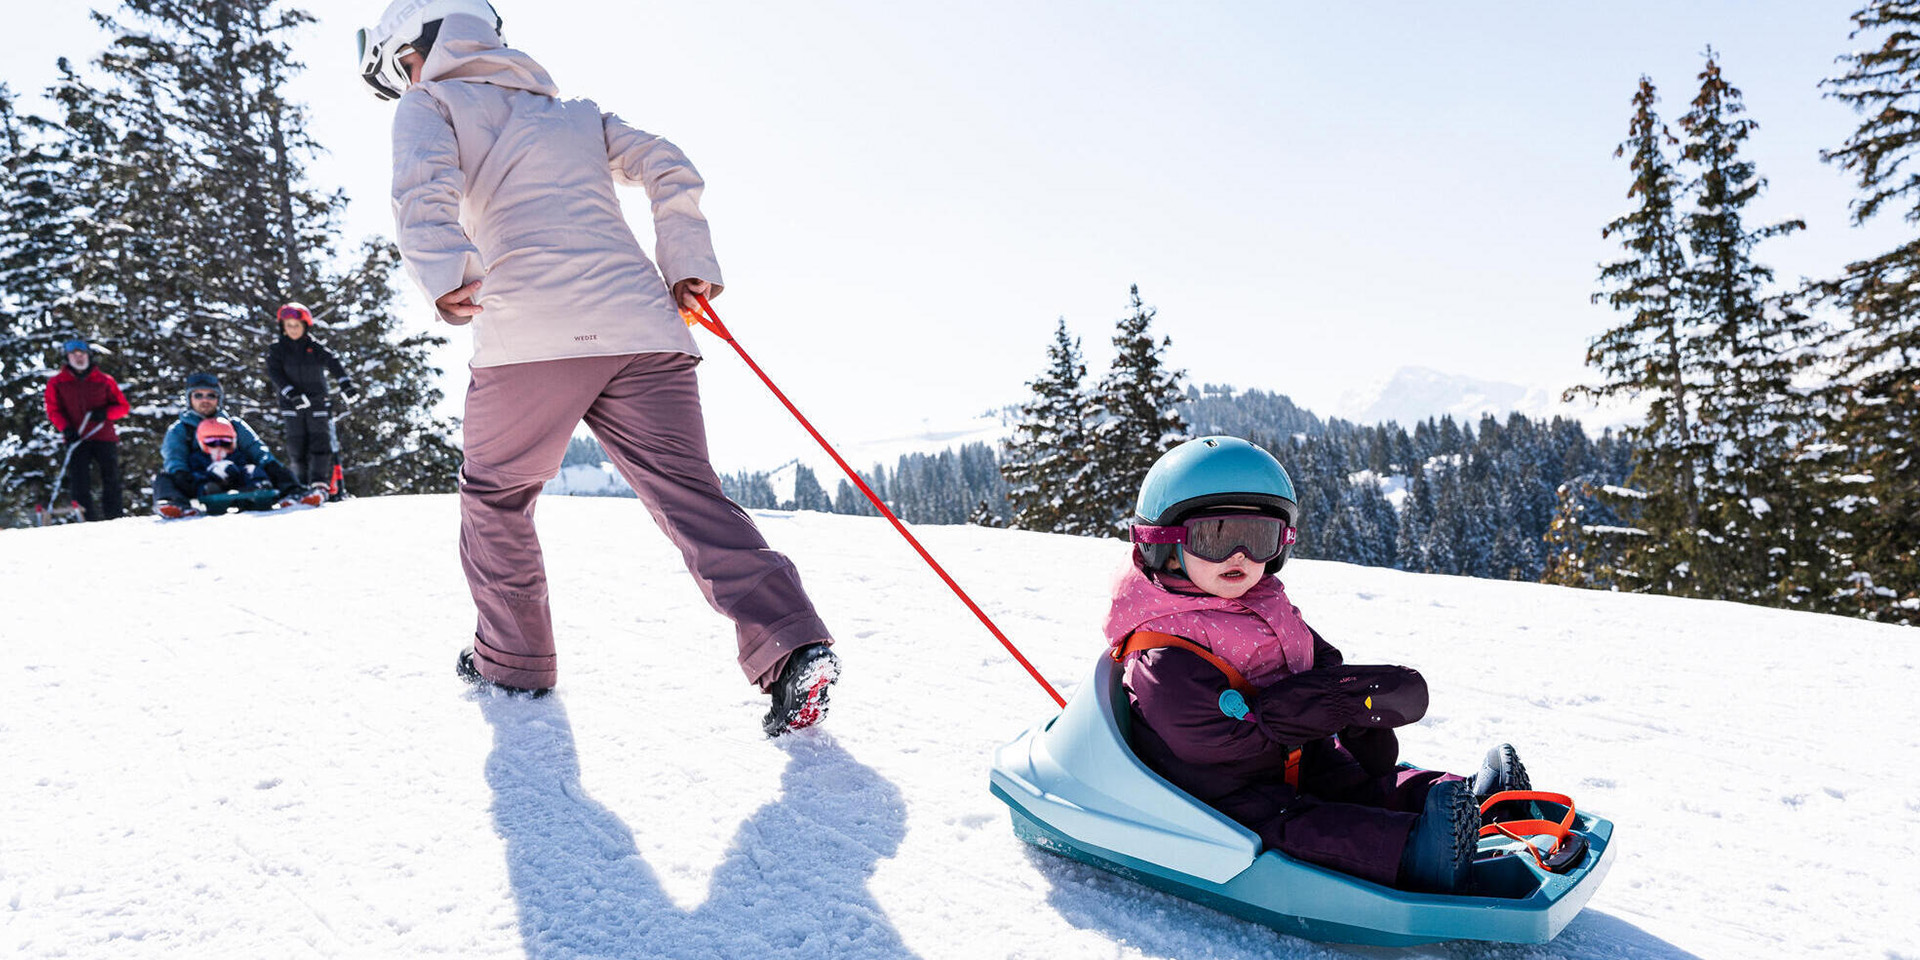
(298,365)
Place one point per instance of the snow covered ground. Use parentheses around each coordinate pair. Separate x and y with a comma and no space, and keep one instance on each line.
(242,737)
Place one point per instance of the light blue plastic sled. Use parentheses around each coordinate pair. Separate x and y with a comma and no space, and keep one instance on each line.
(1077,789)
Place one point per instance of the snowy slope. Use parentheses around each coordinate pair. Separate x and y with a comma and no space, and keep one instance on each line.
(241,737)
(588,480)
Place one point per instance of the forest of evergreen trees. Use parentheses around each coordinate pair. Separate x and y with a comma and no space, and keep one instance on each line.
(1777,461)
(1475,500)
(160,210)
(158,207)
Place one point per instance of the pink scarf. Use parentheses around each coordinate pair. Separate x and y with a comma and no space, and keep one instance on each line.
(1261,633)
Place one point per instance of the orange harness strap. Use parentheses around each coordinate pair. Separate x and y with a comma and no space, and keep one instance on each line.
(1151,640)
(1567,846)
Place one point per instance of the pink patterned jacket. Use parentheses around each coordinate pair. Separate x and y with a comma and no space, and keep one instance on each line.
(1261,633)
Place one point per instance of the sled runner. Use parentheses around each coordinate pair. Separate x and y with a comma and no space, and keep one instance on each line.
(1076,789)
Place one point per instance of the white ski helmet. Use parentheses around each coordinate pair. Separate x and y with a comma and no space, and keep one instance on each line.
(399,33)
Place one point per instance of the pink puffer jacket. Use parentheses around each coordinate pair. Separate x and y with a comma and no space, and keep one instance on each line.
(497,179)
(1261,633)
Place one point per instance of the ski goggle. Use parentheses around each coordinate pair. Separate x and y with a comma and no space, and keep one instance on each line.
(383,73)
(295,313)
(216,442)
(1217,537)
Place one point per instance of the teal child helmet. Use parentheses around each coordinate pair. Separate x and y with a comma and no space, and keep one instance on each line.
(1207,473)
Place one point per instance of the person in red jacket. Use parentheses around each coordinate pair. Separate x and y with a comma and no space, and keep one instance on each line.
(82,403)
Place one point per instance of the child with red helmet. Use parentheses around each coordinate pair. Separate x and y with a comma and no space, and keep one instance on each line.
(219,466)
(298,365)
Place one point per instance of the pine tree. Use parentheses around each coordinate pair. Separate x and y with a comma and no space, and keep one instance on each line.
(808,494)
(1870,468)
(982,481)
(753,491)
(1752,418)
(33,238)
(1046,463)
(1139,419)
(1651,353)
(847,499)
(983,515)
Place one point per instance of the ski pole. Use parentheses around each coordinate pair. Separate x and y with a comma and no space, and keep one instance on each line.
(335,483)
(60,479)
(711,321)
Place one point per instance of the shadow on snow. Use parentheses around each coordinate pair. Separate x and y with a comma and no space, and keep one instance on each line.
(793,884)
(1162,925)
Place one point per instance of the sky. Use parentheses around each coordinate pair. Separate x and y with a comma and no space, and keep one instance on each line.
(211,765)
(906,197)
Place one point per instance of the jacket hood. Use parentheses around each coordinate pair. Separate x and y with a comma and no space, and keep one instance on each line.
(469,49)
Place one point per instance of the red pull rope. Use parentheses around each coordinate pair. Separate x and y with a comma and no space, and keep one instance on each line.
(711,321)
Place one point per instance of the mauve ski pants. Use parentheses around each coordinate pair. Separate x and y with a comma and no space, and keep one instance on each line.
(645,410)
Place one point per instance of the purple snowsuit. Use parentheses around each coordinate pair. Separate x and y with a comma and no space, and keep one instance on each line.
(1354,808)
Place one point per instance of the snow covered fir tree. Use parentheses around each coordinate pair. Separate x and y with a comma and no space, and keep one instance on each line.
(1136,414)
(1867,467)
(1049,458)
(162,213)
(1776,464)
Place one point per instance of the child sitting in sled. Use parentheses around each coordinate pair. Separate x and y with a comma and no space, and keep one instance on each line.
(220,466)
(188,462)
(1236,700)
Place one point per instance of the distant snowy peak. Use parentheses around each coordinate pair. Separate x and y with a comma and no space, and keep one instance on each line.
(925,436)
(1414,394)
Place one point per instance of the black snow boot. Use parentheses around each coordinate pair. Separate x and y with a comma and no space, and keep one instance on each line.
(800,695)
(1501,771)
(1439,853)
(469,671)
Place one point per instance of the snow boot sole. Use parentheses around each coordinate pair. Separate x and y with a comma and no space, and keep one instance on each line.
(467,670)
(800,696)
(1439,853)
(1500,772)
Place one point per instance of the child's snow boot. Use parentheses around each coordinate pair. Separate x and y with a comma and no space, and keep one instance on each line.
(1501,771)
(1439,853)
(175,509)
(800,695)
(469,671)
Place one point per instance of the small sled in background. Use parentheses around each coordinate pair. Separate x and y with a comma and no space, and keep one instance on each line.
(1076,788)
(239,501)
(215,504)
